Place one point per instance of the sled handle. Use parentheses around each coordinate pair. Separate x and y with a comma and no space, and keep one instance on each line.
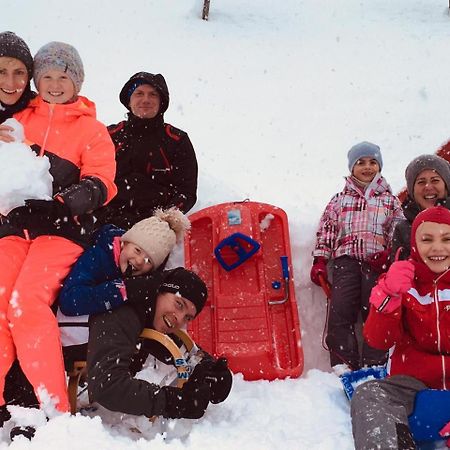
(325,285)
(241,245)
(285,272)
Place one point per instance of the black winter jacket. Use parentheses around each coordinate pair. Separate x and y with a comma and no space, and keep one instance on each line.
(156,168)
(402,232)
(113,337)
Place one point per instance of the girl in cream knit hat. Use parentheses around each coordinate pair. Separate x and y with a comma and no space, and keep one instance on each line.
(105,275)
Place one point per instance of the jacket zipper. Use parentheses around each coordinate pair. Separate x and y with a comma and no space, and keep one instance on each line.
(50,117)
(436,303)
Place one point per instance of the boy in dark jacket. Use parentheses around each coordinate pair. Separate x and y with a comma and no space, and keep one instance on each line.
(156,163)
(164,302)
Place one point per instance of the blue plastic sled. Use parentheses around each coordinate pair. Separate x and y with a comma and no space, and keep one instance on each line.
(431,409)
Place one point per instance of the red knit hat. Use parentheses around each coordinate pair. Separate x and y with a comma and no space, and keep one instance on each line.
(436,214)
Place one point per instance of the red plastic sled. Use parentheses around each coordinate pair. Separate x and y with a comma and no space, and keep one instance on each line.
(242,251)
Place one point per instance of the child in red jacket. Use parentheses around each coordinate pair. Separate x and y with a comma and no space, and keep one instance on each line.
(40,241)
(409,315)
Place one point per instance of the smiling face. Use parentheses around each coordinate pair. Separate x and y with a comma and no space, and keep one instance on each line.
(13,80)
(145,102)
(56,86)
(133,261)
(365,169)
(433,245)
(428,188)
(173,312)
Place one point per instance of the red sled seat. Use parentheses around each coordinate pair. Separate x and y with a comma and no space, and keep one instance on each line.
(242,251)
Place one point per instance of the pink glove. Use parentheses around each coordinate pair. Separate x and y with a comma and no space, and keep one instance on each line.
(318,269)
(445,433)
(386,295)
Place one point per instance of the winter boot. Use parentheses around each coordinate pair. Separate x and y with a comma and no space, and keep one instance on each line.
(26,431)
(4,415)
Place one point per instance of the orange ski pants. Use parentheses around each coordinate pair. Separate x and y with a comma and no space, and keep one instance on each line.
(31,275)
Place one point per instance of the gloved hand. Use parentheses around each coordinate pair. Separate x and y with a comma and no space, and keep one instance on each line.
(386,295)
(319,269)
(52,208)
(143,287)
(399,278)
(445,433)
(379,261)
(189,402)
(216,375)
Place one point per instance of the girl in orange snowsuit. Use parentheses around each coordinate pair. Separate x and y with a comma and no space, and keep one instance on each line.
(40,241)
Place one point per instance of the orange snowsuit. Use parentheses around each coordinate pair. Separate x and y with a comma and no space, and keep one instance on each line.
(40,241)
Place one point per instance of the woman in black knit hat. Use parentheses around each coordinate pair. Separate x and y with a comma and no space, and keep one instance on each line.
(16,69)
(428,184)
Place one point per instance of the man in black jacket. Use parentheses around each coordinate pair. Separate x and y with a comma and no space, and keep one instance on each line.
(164,302)
(156,163)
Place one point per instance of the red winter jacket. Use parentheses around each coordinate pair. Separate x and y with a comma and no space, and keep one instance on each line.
(418,333)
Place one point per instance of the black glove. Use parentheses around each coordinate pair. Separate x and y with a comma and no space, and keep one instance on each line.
(142,288)
(189,402)
(51,209)
(216,375)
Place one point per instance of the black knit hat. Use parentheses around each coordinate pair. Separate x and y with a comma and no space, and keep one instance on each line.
(187,284)
(157,81)
(13,46)
(424,162)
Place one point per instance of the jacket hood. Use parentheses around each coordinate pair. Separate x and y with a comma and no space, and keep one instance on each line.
(155,80)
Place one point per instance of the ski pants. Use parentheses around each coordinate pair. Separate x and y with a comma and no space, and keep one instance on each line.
(31,275)
(380,410)
(352,283)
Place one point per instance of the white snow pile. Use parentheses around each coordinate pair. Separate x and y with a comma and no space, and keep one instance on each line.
(23,174)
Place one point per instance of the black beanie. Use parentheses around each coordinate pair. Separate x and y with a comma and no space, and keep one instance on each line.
(13,46)
(187,284)
(156,81)
(424,162)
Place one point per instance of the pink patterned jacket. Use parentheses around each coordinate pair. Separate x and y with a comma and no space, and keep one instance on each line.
(358,223)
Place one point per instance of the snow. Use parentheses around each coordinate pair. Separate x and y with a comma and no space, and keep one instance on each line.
(26,176)
(272,94)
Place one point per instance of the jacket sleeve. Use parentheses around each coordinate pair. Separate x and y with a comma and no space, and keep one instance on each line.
(382,330)
(86,291)
(185,173)
(112,343)
(397,243)
(391,223)
(327,231)
(97,171)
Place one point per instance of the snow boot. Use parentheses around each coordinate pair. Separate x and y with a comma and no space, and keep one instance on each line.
(26,431)
(4,415)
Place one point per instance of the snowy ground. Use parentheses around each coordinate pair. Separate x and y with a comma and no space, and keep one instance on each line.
(272,95)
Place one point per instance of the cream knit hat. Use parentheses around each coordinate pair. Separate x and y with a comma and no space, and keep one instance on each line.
(158,234)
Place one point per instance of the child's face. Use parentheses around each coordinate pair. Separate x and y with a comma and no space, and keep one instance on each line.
(56,86)
(365,169)
(172,313)
(13,80)
(133,259)
(433,245)
(428,188)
